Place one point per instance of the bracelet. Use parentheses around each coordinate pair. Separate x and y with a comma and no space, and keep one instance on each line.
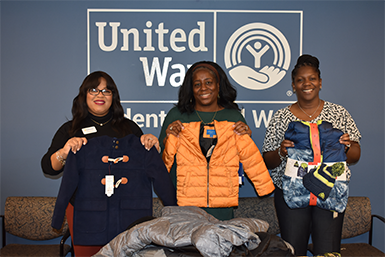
(347,148)
(60,159)
(280,156)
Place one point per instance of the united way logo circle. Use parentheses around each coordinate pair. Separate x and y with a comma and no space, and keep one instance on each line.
(268,49)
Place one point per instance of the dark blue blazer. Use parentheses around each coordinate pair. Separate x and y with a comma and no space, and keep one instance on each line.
(97,217)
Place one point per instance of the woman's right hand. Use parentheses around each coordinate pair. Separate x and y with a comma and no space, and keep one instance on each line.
(73,144)
(283,147)
(273,158)
(173,128)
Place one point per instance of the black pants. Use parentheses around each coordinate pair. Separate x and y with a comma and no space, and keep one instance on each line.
(296,225)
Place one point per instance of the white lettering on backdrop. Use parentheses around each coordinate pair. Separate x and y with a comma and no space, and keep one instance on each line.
(153,120)
(178,39)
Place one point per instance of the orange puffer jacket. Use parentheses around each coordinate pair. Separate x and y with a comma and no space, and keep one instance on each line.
(214,185)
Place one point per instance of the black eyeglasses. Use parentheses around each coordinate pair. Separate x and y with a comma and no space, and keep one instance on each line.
(95,91)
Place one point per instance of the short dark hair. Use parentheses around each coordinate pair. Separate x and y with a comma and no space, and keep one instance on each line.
(227,93)
(306,60)
(80,108)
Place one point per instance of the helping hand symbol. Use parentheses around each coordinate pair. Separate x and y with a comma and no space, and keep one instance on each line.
(257,80)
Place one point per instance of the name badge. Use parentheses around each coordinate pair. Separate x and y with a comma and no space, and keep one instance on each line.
(89,130)
(209,132)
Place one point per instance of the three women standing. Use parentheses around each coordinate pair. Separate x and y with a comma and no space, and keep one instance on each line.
(206,106)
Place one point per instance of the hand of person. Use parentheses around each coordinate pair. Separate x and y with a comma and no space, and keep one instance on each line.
(149,140)
(174,128)
(240,128)
(345,140)
(283,147)
(352,149)
(275,157)
(73,144)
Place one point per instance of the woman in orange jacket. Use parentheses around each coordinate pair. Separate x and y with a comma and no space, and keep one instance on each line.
(209,137)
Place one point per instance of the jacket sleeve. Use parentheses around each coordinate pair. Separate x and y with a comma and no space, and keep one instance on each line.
(162,183)
(68,186)
(254,166)
(169,151)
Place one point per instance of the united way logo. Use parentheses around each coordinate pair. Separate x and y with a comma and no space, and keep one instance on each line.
(269,51)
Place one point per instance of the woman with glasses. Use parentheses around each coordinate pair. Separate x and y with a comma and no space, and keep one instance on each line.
(96,111)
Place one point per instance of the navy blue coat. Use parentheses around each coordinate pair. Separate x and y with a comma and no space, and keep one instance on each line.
(97,217)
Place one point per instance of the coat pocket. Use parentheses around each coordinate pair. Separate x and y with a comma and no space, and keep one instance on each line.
(90,216)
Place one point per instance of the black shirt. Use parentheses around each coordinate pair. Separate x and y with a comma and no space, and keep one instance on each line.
(93,122)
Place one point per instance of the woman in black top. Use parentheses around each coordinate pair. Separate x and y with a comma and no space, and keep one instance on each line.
(96,111)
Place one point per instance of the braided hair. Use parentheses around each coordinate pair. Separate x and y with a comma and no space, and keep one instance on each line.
(306,60)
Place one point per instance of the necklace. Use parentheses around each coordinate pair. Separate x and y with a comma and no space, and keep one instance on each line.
(102,124)
(319,103)
(211,119)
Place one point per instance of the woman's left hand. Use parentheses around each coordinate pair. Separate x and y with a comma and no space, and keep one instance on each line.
(352,149)
(149,140)
(345,140)
(240,128)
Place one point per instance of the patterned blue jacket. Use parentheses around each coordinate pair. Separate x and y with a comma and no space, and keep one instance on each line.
(295,193)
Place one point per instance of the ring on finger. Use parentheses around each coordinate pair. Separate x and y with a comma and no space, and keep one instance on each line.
(171,128)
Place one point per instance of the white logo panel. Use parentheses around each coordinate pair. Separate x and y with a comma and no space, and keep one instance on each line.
(257,39)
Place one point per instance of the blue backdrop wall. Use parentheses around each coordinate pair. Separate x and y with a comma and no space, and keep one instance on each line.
(48,47)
